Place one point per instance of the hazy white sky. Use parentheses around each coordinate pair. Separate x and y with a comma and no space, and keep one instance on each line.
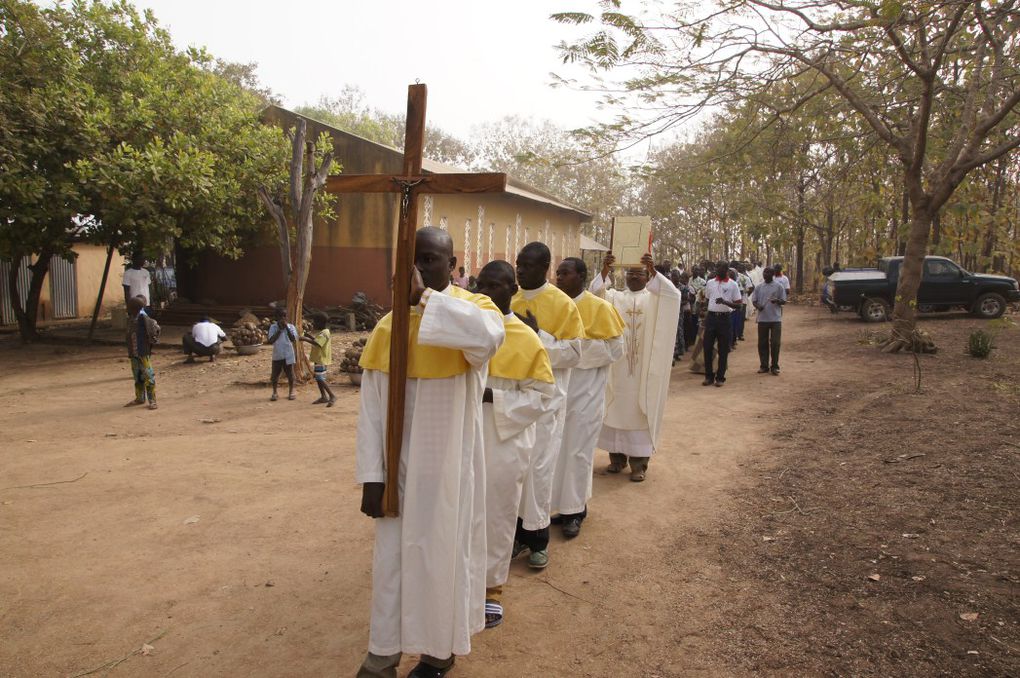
(481,59)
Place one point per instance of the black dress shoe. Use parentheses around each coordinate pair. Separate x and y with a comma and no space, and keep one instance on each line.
(423,670)
(762,370)
(571,527)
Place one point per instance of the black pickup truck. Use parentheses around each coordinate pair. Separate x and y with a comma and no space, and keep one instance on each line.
(944,286)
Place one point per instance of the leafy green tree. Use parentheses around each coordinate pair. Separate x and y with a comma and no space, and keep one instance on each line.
(151,143)
(45,126)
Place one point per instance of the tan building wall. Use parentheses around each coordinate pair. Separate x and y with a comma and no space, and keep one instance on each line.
(88,274)
(353,253)
(508,222)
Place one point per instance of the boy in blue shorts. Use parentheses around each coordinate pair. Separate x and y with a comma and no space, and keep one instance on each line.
(321,356)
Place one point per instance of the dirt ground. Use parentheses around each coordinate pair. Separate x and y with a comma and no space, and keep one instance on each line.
(829,521)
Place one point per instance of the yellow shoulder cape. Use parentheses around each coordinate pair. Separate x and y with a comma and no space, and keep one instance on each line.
(555,311)
(522,355)
(423,362)
(601,319)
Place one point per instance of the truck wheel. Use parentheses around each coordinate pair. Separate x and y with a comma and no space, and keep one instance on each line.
(989,306)
(874,310)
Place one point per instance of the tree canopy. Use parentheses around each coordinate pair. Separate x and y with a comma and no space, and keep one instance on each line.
(112,135)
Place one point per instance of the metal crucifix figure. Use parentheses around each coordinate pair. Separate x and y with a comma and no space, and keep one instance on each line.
(409,184)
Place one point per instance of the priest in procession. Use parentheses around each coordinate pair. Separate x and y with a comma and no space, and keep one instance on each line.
(428,571)
(601,346)
(554,316)
(518,392)
(639,382)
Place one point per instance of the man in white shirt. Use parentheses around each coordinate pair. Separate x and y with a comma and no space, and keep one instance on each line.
(203,339)
(136,279)
(781,278)
(724,297)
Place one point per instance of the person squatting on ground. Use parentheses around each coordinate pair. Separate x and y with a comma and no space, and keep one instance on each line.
(724,298)
(282,336)
(769,298)
(601,346)
(204,339)
(142,334)
(518,392)
(429,564)
(638,383)
(321,357)
(551,313)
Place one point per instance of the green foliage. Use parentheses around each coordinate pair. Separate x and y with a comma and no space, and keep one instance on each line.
(155,144)
(979,344)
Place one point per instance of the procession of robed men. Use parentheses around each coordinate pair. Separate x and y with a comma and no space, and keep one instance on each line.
(509,391)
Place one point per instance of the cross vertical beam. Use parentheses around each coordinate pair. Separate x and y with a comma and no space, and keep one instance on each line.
(410,184)
(414,149)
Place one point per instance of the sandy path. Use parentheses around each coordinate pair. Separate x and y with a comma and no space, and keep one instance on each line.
(273,577)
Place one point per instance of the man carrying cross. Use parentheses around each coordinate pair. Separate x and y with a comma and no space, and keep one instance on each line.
(419,433)
(428,572)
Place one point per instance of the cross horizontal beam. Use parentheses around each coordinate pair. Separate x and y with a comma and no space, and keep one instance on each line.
(489,182)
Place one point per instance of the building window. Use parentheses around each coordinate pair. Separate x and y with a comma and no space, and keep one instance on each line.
(442,223)
(478,236)
(467,245)
(506,250)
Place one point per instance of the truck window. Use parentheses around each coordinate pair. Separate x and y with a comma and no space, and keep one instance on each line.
(940,269)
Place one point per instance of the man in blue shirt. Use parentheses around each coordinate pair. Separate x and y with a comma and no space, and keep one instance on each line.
(283,336)
(769,298)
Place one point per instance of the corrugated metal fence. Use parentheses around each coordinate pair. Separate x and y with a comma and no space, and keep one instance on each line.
(63,288)
(24,276)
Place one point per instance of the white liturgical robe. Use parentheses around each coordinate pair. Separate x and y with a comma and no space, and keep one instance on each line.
(585,409)
(564,352)
(639,382)
(428,572)
(509,425)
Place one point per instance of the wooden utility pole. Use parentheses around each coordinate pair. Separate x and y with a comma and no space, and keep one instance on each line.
(409,185)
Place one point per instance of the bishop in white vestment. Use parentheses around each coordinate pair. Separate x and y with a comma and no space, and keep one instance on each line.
(428,572)
(638,382)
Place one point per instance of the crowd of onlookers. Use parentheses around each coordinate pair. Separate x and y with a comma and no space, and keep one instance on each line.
(702,306)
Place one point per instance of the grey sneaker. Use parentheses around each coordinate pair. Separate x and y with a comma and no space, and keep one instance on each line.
(538,559)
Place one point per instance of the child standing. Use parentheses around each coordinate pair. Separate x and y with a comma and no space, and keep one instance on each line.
(321,356)
(142,333)
(282,336)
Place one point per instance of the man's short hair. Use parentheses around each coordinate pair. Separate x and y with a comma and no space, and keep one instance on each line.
(579,266)
(540,249)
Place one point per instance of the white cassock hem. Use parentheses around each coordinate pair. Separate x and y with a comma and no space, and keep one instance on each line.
(631,443)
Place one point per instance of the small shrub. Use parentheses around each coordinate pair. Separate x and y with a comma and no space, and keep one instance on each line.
(979,345)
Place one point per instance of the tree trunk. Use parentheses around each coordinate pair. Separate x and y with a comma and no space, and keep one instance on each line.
(102,291)
(28,315)
(901,245)
(905,310)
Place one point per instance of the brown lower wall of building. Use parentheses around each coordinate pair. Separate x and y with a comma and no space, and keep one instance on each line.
(337,274)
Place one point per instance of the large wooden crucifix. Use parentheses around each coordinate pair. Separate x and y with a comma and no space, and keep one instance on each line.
(409,185)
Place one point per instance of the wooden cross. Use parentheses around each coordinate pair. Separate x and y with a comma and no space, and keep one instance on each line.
(410,184)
